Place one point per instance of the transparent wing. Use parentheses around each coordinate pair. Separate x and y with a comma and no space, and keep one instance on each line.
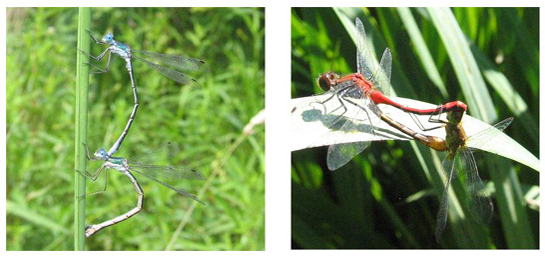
(341,153)
(382,76)
(152,156)
(176,61)
(169,172)
(481,138)
(379,75)
(179,191)
(365,66)
(448,166)
(172,74)
(480,204)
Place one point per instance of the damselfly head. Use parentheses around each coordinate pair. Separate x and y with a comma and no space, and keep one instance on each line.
(101,154)
(108,38)
(327,80)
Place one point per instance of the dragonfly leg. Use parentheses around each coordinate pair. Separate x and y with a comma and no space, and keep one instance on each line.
(99,58)
(103,70)
(438,120)
(105,185)
(88,155)
(92,37)
(322,104)
(345,109)
(94,175)
(421,126)
(366,113)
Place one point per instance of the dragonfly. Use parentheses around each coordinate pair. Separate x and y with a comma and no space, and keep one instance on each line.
(157,61)
(460,162)
(371,84)
(144,165)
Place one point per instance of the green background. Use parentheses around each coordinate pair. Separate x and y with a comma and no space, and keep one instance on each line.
(388,196)
(206,124)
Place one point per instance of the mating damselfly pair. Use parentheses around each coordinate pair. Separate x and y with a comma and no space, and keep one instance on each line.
(146,164)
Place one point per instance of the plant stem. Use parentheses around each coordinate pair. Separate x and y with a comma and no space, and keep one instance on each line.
(82,98)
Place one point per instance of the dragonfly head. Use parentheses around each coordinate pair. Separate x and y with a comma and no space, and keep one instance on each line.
(327,80)
(456,112)
(108,38)
(101,154)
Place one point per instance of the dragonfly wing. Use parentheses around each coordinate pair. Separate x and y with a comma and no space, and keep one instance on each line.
(382,76)
(364,60)
(169,172)
(340,153)
(176,61)
(480,204)
(448,166)
(151,156)
(481,138)
(172,74)
(179,191)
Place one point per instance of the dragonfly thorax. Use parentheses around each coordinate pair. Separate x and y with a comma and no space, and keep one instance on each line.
(122,50)
(456,136)
(117,163)
(363,83)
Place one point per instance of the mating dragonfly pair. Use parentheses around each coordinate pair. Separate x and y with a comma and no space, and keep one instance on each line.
(146,164)
(369,87)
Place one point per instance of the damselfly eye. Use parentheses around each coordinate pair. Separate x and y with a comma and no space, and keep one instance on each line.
(101,153)
(108,37)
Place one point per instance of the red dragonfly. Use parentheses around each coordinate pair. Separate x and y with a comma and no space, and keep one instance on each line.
(371,84)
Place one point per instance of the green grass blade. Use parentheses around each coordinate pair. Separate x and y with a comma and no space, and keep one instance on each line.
(422,49)
(465,66)
(503,87)
(35,217)
(82,98)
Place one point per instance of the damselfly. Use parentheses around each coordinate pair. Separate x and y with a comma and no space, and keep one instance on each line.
(154,60)
(144,165)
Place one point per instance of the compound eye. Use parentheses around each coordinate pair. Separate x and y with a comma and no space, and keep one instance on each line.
(100,153)
(108,37)
(324,82)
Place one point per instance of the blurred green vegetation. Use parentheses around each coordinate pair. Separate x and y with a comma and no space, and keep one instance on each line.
(205,123)
(388,197)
